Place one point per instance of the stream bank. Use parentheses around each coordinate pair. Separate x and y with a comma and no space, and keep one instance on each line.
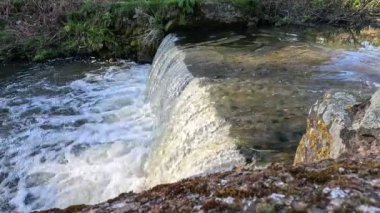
(42,30)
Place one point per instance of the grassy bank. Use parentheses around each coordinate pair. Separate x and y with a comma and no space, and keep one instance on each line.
(36,30)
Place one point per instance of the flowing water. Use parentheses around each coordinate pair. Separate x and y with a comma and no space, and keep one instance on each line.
(223,99)
(79,132)
(72,133)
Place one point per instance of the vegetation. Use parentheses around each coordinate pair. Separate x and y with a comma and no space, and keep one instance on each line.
(332,12)
(41,29)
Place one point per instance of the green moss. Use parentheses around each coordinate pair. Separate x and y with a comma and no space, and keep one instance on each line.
(265,208)
(318,176)
(233,192)
(45,54)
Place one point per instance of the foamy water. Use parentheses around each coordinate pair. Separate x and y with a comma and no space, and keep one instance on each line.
(73,141)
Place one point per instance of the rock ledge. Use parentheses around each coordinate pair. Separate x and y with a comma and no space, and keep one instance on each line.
(344,185)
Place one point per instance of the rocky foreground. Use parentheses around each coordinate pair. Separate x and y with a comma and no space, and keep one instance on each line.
(343,185)
(347,180)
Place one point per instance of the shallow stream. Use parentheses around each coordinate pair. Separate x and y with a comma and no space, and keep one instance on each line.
(81,132)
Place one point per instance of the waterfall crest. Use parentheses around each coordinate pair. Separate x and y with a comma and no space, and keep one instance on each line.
(192,138)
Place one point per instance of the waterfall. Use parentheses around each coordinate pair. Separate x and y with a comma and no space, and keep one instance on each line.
(192,138)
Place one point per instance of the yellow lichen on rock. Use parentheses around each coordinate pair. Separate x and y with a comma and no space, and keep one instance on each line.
(300,153)
(338,125)
(316,144)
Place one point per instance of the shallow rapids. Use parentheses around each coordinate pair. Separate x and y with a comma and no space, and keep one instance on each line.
(72,134)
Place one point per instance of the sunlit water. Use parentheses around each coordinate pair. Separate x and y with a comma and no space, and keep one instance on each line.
(78,132)
(72,134)
(361,64)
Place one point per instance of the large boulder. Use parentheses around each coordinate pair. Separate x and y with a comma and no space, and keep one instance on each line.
(339,125)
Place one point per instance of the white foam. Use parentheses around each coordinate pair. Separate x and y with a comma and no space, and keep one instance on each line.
(81,142)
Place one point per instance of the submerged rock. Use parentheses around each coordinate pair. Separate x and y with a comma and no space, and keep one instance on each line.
(340,125)
(225,99)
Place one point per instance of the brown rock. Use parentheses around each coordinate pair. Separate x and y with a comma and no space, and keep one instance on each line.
(337,125)
(316,187)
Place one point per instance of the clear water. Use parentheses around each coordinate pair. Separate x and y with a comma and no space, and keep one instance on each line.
(72,133)
(264,83)
(81,133)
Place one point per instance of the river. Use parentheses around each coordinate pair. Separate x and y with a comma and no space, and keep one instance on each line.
(74,132)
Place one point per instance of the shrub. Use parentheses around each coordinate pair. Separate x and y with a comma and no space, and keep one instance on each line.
(89,29)
(187,6)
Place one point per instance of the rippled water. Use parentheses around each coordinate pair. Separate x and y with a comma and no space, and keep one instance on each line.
(72,133)
(78,132)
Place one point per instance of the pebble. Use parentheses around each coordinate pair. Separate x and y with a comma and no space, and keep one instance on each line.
(223,182)
(326,190)
(365,208)
(334,204)
(299,206)
(277,198)
(376,183)
(229,200)
(118,205)
(338,193)
(279,184)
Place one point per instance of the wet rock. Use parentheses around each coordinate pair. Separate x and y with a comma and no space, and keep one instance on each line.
(299,206)
(369,124)
(338,125)
(308,191)
(338,193)
(365,208)
(277,198)
(376,183)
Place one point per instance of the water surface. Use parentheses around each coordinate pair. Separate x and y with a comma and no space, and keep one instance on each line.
(79,132)
(263,83)
(72,133)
